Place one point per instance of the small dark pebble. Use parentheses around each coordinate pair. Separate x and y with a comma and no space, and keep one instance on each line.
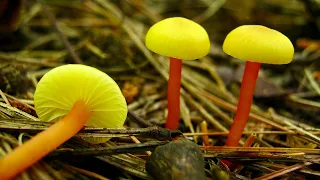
(179,159)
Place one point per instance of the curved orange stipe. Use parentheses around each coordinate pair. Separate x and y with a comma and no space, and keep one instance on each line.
(44,142)
(245,100)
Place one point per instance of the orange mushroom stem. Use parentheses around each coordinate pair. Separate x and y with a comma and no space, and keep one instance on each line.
(245,100)
(174,93)
(40,145)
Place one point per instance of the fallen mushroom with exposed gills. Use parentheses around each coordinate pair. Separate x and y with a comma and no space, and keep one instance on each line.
(180,39)
(75,95)
(257,44)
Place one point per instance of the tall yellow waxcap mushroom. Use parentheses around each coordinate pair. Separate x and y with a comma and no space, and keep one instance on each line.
(180,39)
(256,44)
(75,94)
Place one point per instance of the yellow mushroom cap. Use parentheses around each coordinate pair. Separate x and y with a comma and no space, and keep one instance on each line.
(61,87)
(259,44)
(179,38)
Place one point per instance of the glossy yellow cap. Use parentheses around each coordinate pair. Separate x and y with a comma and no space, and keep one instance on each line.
(61,87)
(259,44)
(179,38)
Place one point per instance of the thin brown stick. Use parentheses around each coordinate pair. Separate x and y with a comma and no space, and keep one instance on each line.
(283,171)
(86,172)
(280,166)
(250,140)
(258,149)
(135,140)
(65,41)
(248,132)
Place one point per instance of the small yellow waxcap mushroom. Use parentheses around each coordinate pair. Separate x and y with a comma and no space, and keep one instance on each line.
(179,38)
(76,94)
(59,89)
(258,43)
